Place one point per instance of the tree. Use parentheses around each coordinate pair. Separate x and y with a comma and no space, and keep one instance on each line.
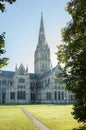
(3,61)
(2,4)
(72,56)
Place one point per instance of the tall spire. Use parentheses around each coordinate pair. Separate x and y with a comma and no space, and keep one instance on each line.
(42,53)
(41,31)
(41,24)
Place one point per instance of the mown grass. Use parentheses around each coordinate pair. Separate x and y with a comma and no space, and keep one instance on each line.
(12,118)
(56,117)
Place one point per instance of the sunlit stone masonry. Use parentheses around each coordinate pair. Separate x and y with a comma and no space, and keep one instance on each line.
(42,86)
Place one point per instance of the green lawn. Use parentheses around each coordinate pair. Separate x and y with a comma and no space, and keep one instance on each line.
(12,118)
(56,117)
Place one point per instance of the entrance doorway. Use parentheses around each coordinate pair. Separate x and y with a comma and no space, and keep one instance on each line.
(33,97)
(3,97)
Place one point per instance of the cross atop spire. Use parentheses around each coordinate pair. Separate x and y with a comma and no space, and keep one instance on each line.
(41,31)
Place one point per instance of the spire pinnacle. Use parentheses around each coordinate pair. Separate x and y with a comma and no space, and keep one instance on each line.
(26,68)
(41,24)
(16,68)
(41,31)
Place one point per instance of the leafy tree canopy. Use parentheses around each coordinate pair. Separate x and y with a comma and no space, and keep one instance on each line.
(2,4)
(3,60)
(72,53)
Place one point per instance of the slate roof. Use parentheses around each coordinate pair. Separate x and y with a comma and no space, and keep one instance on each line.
(33,76)
(7,73)
(11,74)
(47,73)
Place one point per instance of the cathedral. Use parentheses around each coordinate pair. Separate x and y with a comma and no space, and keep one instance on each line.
(42,86)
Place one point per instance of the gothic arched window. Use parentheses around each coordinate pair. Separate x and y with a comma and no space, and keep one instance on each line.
(21,95)
(4,82)
(21,80)
(55,95)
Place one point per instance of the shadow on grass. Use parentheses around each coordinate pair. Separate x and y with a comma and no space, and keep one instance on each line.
(80,128)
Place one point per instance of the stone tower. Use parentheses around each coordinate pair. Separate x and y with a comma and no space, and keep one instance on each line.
(42,53)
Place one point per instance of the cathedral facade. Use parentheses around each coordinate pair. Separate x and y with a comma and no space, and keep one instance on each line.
(42,86)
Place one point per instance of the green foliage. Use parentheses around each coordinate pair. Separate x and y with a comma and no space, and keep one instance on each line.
(79,112)
(2,4)
(3,61)
(72,53)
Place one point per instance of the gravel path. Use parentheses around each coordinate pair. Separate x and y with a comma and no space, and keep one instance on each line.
(36,122)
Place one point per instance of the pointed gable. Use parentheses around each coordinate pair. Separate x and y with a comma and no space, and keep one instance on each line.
(21,70)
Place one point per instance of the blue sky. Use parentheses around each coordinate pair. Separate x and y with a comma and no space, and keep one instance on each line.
(21,22)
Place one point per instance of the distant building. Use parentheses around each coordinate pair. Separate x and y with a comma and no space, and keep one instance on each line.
(42,86)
